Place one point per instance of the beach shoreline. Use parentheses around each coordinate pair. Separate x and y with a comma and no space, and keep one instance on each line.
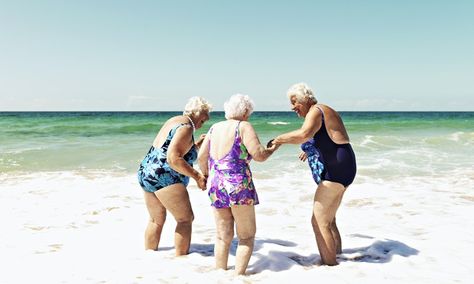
(90,229)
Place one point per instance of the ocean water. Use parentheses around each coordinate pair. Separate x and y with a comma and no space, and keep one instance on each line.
(74,212)
(388,145)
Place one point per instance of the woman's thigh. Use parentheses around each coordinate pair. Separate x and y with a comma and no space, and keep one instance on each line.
(156,209)
(327,199)
(224,223)
(175,198)
(244,216)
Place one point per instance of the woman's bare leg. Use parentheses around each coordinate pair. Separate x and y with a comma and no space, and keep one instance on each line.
(224,235)
(336,236)
(244,216)
(157,213)
(175,198)
(326,202)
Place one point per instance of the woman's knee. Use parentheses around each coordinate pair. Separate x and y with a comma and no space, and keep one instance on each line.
(246,239)
(186,219)
(225,236)
(225,231)
(247,233)
(321,221)
(158,220)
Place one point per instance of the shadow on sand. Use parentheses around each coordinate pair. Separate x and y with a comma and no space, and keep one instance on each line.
(380,251)
(202,249)
(208,249)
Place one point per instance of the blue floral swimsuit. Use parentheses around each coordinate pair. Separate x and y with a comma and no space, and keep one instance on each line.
(155,172)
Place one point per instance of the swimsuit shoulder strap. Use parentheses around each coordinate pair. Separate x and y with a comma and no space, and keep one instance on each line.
(237,129)
(209,133)
(322,112)
(173,132)
(174,129)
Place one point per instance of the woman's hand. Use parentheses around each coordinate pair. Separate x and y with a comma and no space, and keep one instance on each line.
(272,147)
(198,143)
(302,156)
(276,141)
(270,143)
(201,181)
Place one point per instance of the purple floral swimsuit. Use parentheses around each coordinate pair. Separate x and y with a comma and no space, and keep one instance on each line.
(230,179)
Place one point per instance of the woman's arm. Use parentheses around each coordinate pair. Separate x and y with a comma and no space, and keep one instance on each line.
(252,143)
(198,143)
(311,125)
(203,156)
(179,146)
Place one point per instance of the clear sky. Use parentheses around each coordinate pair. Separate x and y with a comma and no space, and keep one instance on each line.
(154,55)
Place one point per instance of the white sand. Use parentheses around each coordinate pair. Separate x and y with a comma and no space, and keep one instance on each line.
(69,228)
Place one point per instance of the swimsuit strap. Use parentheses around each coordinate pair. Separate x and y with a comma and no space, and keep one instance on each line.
(173,132)
(209,133)
(237,130)
(322,112)
(174,129)
(192,125)
(238,143)
(187,123)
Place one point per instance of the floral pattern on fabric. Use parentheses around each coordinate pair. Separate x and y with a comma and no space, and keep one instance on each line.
(155,173)
(314,160)
(230,179)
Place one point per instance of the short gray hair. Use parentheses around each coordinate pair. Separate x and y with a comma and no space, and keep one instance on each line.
(196,105)
(301,91)
(237,106)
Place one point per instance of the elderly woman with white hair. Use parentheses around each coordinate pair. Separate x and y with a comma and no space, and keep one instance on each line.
(325,144)
(225,156)
(164,175)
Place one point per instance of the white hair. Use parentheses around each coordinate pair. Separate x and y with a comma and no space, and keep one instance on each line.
(195,105)
(237,106)
(301,91)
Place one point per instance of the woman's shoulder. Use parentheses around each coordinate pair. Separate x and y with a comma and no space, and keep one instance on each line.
(177,123)
(174,121)
(178,119)
(246,126)
(219,124)
(332,113)
(326,108)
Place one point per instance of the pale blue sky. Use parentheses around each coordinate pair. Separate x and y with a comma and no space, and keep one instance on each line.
(154,55)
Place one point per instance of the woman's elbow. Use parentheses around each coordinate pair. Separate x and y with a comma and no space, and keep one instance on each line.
(261,157)
(304,136)
(173,160)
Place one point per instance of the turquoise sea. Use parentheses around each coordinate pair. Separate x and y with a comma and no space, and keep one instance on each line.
(387,144)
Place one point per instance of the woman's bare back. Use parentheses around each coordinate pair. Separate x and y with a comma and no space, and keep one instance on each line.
(334,125)
(222,138)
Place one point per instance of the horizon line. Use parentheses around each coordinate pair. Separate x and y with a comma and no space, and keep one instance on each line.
(177,111)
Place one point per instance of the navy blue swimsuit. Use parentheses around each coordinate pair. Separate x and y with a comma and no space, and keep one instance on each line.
(155,172)
(328,160)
